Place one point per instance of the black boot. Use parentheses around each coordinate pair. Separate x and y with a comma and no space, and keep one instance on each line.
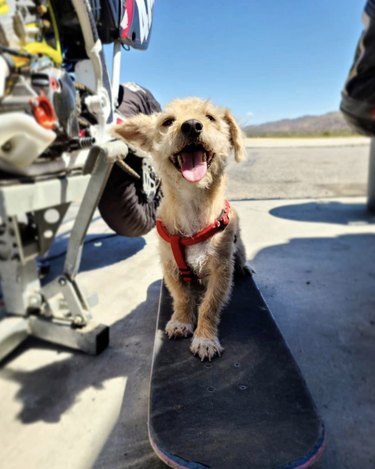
(358,96)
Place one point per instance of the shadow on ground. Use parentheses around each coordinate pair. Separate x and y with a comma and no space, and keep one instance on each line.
(321,292)
(326,212)
(99,250)
(47,393)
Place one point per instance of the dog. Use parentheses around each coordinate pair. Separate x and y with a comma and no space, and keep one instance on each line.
(200,243)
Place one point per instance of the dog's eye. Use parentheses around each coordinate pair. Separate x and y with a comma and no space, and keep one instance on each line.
(211,118)
(168,122)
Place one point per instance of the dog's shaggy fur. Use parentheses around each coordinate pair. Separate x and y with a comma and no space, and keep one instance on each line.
(192,200)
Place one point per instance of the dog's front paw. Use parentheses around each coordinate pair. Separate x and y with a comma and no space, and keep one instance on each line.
(175,329)
(206,348)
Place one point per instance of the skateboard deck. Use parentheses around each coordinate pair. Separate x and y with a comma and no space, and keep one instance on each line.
(250,408)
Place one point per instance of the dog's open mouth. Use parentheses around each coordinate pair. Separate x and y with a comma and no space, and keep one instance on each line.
(192,161)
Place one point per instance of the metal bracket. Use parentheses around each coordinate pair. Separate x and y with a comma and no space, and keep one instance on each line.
(65,303)
(47,222)
(92,338)
(58,311)
(102,158)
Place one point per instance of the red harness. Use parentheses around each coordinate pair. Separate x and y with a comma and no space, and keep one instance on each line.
(178,243)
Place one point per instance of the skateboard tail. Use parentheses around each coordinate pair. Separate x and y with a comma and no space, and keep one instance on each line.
(312,456)
(174,461)
(177,462)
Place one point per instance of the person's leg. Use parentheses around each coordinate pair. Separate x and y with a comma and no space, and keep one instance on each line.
(358,96)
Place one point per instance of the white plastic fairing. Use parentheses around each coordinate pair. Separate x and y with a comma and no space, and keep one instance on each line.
(4,73)
(22,140)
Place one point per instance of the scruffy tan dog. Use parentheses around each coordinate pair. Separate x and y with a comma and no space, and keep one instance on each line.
(200,243)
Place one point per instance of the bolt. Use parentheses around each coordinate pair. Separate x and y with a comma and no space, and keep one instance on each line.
(45,310)
(78,320)
(42,9)
(62,281)
(35,300)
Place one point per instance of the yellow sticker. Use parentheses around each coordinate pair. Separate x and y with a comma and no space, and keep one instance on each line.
(4,7)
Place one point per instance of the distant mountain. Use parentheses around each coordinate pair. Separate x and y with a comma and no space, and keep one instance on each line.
(330,124)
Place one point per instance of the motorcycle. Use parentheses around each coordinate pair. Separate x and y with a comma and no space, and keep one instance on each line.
(57,105)
(56,97)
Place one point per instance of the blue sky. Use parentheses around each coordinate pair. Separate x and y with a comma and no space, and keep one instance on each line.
(264,59)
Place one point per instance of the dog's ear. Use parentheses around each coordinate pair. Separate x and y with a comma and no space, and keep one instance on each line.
(236,136)
(138,131)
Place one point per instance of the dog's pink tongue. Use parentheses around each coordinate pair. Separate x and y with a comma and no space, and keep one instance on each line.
(193,166)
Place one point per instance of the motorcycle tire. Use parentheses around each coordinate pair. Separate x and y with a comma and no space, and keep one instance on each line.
(124,206)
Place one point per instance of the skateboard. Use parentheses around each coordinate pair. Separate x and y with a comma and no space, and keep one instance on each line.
(249,408)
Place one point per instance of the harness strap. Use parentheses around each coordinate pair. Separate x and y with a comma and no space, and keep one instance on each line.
(178,243)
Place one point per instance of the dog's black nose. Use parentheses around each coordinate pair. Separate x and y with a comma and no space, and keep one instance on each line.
(192,128)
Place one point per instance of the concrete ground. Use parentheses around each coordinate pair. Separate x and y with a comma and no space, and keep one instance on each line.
(299,168)
(314,258)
